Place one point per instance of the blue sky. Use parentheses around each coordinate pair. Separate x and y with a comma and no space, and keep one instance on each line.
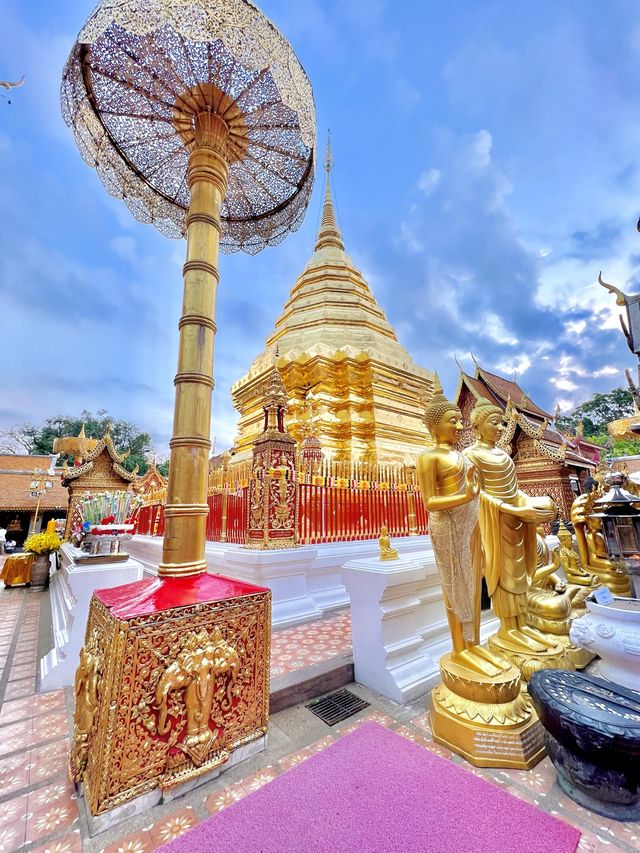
(487,166)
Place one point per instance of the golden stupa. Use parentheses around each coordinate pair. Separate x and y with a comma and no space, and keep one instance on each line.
(350,382)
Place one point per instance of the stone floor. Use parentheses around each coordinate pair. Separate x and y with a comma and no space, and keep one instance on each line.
(39,809)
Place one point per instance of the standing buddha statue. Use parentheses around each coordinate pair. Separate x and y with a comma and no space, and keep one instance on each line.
(449,489)
(508,519)
(480,709)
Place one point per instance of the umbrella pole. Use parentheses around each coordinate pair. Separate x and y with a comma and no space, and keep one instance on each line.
(186,510)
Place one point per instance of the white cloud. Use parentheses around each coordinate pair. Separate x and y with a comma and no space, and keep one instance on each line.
(480,151)
(564,384)
(519,364)
(576,327)
(412,242)
(607,370)
(494,328)
(429,180)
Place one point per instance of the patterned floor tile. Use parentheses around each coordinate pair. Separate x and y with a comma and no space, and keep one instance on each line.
(71,843)
(12,836)
(219,800)
(137,842)
(422,722)
(15,736)
(48,761)
(295,758)
(25,670)
(539,779)
(414,735)
(305,645)
(165,830)
(14,780)
(590,842)
(13,810)
(257,780)
(51,819)
(59,793)
(18,689)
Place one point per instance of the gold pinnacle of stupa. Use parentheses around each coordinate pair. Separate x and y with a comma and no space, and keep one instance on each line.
(335,341)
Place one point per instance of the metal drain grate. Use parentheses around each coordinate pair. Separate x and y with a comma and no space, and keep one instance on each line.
(337,707)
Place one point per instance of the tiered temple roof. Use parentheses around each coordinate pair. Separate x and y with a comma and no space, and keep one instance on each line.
(334,344)
(547,460)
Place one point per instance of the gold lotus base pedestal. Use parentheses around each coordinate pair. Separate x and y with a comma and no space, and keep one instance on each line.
(575,657)
(490,723)
(173,685)
(530,662)
(579,657)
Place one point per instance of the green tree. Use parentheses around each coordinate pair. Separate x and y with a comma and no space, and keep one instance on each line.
(39,439)
(597,412)
(619,446)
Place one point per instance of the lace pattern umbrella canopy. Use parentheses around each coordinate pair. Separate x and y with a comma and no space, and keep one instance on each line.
(139,72)
(199,116)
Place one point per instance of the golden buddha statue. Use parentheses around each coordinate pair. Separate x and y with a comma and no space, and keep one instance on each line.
(386,551)
(551,602)
(449,489)
(548,605)
(592,548)
(508,519)
(480,709)
(580,582)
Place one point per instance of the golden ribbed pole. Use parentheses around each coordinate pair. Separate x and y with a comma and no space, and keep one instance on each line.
(186,509)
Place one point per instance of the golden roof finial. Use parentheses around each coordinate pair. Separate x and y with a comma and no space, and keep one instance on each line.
(329,233)
(328,156)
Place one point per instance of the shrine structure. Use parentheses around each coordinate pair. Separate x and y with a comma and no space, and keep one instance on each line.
(100,471)
(547,461)
(341,364)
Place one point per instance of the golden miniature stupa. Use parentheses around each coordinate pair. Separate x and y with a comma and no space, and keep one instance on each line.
(336,347)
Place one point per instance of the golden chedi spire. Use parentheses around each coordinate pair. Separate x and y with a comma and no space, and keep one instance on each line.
(329,232)
(333,339)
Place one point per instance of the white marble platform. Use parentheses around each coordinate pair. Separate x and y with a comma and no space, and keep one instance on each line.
(399,624)
(305,582)
(71,588)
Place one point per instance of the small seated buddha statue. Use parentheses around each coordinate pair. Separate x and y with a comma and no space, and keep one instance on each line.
(580,582)
(551,602)
(386,551)
(592,547)
(548,605)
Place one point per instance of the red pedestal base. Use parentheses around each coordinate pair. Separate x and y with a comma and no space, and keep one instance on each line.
(173,676)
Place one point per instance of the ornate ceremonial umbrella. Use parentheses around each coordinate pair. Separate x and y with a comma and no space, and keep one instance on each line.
(199,116)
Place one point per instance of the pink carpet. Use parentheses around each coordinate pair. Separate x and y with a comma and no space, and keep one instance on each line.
(374,790)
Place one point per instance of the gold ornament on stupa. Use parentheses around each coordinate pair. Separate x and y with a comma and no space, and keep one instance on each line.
(334,340)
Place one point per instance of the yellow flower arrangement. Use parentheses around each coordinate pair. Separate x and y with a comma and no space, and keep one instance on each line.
(42,543)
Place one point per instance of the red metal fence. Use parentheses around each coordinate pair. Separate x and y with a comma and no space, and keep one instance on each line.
(332,507)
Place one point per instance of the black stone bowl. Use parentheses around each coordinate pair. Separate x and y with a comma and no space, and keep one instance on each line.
(593,739)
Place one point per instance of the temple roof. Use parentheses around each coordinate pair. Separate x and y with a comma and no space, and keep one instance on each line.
(105,443)
(531,418)
(507,388)
(331,308)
